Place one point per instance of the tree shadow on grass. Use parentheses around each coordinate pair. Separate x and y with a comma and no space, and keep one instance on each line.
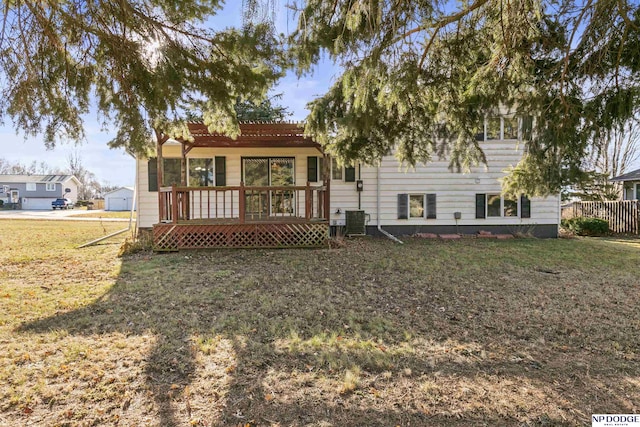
(299,322)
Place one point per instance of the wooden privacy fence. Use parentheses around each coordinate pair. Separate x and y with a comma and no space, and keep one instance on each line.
(623,216)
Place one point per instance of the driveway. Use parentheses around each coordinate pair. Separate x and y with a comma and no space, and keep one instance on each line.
(63,215)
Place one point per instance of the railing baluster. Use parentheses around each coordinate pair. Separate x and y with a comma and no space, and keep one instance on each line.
(241,203)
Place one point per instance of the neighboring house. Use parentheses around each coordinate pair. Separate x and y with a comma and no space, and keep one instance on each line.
(274,187)
(37,191)
(630,185)
(119,200)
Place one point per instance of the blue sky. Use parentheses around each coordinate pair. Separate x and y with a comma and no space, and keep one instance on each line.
(115,167)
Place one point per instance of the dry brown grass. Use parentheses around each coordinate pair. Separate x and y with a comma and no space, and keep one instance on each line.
(520,332)
(105,214)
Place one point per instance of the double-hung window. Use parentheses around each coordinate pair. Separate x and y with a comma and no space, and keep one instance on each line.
(416,206)
(200,173)
(497,206)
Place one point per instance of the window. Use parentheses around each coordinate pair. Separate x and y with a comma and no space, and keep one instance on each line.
(416,206)
(221,171)
(314,169)
(31,186)
(171,174)
(336,170)
(510,207)
(492,128)
(201,173)
(527,128)
(510,128)
(51,186)
(506,128)
(268,172)
(496,206)
(493,205)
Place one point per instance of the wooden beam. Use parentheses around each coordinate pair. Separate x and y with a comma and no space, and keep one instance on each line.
(161,138)
(183,167)
(261,142)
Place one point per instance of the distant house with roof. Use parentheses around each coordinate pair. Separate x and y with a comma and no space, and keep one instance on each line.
(37,191)
(630,185)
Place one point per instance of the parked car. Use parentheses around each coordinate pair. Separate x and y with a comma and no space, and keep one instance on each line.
(61,204)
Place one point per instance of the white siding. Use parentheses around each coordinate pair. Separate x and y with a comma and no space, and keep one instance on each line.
(148,201)
(455,192)
(73,194)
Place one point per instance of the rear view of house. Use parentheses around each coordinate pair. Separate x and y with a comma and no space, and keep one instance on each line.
(36,192)
(273,186)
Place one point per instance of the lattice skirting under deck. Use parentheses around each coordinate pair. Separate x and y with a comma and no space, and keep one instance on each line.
(171,237)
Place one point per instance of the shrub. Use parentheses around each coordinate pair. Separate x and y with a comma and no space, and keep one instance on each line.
(142,243)
(583,226)
(1,203)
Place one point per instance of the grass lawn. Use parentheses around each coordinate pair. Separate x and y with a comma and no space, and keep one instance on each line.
(105,214)
(470,332)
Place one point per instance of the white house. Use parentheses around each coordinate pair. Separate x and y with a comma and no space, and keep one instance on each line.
(37,191)
(630,184)
(120,199)
(272,181)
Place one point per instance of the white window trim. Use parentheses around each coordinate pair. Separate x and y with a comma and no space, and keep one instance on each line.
(50,186)
(31,186)
(501,132)
(502,215)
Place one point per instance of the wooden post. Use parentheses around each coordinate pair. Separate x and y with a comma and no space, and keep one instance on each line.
(307,201)
(160,140)
(326,177)
(183,166)
(241,203)
(174,205)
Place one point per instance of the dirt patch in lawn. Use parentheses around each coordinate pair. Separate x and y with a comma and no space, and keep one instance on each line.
(518,332)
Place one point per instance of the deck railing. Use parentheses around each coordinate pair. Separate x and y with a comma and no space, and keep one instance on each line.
(243,204)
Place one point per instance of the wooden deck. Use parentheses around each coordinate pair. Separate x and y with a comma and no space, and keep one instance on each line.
(242,217)
(262,234)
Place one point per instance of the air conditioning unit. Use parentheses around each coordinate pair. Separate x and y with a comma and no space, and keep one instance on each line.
(355,223)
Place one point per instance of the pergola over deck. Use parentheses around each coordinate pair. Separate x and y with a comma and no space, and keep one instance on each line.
(198,217)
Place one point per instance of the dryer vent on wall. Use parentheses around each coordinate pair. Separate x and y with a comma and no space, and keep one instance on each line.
(355,223)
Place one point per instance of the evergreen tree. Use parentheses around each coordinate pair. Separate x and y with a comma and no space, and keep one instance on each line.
(143,62)
(422,76)
(251,111)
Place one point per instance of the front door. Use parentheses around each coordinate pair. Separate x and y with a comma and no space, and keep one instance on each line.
(268,172)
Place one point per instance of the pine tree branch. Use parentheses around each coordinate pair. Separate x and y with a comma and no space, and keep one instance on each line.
(441,24)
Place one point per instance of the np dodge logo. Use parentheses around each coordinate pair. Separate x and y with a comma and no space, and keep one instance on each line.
(615,420)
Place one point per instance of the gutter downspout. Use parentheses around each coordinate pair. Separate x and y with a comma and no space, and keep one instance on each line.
(389,235)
